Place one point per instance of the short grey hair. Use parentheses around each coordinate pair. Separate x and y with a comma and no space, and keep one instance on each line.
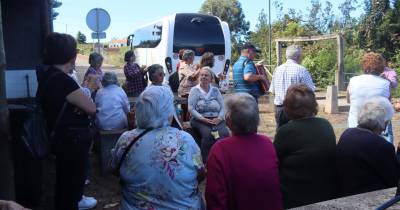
(293,52)
(374,113)
(154,69)
(154,107)
(109,78)
(187,54)
(242,110)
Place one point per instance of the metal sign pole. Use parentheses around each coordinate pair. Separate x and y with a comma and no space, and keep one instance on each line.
(97,31)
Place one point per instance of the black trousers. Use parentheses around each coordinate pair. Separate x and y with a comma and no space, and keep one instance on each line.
(280,117)
(207,139)
(72,160)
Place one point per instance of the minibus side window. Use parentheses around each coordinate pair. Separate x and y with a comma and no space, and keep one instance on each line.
(148,37)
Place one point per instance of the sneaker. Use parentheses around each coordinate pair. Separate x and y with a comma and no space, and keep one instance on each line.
(87,203)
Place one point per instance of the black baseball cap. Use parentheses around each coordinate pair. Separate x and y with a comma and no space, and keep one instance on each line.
(249,45)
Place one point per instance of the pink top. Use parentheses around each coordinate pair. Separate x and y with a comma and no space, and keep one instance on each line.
(391,75)
(242,173)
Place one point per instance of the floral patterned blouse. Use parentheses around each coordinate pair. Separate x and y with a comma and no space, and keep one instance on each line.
(160,170)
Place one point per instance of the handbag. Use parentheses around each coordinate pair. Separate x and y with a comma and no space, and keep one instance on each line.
(127,150)
(35,136)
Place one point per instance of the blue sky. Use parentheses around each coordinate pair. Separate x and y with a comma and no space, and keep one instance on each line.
(126,15)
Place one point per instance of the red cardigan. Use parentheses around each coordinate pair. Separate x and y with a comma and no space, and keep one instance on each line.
(242,173)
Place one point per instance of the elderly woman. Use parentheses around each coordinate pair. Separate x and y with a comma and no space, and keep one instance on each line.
(367,86)
(135,82)
(112,104)
(188,77)
(94,74)
(242,170)
(306,151)
(207,108)
(161,170)
(156,74)
(207,59)
(364,161)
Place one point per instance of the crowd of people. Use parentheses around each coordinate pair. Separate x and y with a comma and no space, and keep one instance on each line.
(243,169)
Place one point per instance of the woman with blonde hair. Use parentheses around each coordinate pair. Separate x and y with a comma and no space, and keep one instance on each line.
(207,108)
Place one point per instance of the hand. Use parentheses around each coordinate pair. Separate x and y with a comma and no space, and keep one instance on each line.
(216,121)
(221,76)
(207,121)
(143,68)
(11,205)
(85,83)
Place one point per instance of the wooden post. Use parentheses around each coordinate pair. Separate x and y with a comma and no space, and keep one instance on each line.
(278,53)
(6,168)
(339,74)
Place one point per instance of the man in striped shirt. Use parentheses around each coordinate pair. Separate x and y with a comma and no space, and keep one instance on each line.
(286,75)
(245,73)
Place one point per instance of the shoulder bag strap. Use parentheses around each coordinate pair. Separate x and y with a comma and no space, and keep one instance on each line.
(129,147)
(53,131)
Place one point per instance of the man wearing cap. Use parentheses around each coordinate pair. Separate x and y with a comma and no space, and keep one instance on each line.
(285,75)
(245,74)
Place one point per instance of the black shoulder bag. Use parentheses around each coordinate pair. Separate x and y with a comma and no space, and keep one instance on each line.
(129,148)
(34,134)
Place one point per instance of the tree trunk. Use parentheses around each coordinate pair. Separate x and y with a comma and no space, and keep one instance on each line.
(6,167)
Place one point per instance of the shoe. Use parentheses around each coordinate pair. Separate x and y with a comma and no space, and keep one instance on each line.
(87,203)
(87,182)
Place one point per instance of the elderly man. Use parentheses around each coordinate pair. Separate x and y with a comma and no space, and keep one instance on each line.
(242,170)
(285,75)
(364,160)
(245,73)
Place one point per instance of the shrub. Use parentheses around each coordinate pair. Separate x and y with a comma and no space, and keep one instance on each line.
(322,65)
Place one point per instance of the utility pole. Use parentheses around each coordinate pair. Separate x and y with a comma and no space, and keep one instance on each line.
(270,32)
(6,168)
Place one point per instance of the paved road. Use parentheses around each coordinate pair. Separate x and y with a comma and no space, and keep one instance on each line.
(82,65)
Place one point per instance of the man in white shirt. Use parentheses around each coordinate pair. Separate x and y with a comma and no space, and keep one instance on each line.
(286,75)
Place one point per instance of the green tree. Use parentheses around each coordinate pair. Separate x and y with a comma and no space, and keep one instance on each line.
(55,4)
(346,8)
(81,38)
(260,35)
(320,20)
(372,32)
(230,11)
(314,18)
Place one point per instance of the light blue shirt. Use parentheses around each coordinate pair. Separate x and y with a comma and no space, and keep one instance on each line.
(112,105)
(242,67)
(160,170)
(288,74)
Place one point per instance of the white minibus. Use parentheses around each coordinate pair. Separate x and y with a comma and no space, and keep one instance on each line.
(160,41)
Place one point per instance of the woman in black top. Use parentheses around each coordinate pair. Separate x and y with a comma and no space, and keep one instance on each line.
(71,146)
(306,151)
(365,161)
